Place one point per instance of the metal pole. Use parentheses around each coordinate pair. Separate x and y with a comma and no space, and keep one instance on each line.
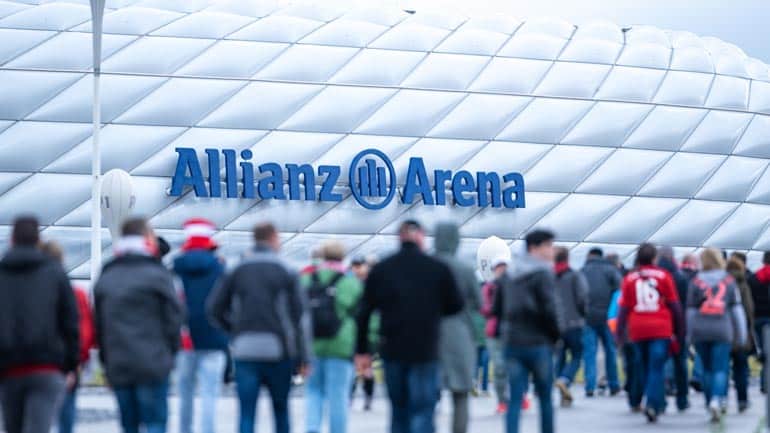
(97,15)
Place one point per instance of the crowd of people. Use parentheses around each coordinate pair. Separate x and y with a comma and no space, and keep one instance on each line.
(426,319)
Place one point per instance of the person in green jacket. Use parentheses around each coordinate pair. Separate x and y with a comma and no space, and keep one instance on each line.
(333,297)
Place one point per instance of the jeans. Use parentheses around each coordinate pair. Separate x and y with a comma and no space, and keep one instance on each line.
(634,378)
(523,361)
(482,366)
(592,335)
(68,411)
(276,376)
(741,374)
(679,362)
(573,343)
(31,402)
(716,369)
(697,370)
(413,390)
(759,324)
(329,382)
(143,405)
(651,355)
(205,368)
(500,373)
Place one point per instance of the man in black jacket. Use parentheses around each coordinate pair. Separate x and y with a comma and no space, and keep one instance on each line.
(526,306)
(412,291)
(138,319)
(38,333)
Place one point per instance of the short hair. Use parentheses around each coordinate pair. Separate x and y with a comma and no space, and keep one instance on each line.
(666,251)
(613,258)
(409,225)
(740,256)
(264,232)
(766,258)
(53,250)
(333,251)
(537,237)
(562,254)
(711,258)
(646,254)
(596,251)
(135,226)
(26,231)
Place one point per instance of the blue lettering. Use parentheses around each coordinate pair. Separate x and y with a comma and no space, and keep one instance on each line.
(332,173)
(461,183)
(517,190)
(308,175)
(188,161)
(231,173)
(417,183)
(215,186)
(247,170)
(492,182)
(440,178)
(271,186)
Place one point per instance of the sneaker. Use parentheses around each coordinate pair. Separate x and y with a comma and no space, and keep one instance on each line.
(614,392)
(696,385)
(723,407)
(683,408)
(651,414)
(743,406)
(502,408)
(525,403)
(715,411)
(566,396)
(636,409)
(590,394)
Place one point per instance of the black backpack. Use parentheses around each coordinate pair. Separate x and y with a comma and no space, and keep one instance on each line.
(322,300)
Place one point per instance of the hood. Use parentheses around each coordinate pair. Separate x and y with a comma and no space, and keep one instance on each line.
(447,238)
(667,264)
(712,277)
(21,258)
(195,261)
(763,274)
(528,264)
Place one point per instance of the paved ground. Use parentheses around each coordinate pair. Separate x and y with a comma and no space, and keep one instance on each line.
(597,415)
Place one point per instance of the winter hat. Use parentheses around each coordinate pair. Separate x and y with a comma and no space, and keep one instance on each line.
(199,233)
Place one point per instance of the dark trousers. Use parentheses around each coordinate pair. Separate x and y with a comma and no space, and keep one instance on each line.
(143,405)
(482,367)
(276,376)
(31,402)
(634,380)
(523,361)
(68,411)
(759,324)
(741,374)
(593,335)
(573,345)
(680,378)
(413,390)
(651,355)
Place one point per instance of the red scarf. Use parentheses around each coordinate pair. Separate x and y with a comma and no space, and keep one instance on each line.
(561,267)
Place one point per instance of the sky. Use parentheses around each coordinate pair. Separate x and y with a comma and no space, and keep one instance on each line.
(745,23)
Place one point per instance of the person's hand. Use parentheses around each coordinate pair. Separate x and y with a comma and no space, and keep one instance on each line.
(70,380)
(363,362)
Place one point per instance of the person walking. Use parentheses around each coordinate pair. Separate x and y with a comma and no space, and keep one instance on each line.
(572,301)
(716,321)
(138,319)
(412,292)
(199,269)
(740,353)
(333,298)
(526,306)
(457,343)
(39,342)
(360,267)
(492,331)
(760,295)
(650,309)
(68,411)
(677,363)
(262,308)
(603,280)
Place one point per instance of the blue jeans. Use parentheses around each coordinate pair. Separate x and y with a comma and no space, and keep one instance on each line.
(482,366)
(276,376)
(205,368)
(759,324)
(716,369)
(523,361)
(592,335)
(651,355)
(329,382)
(741,374)
(676,376)
(68,411)
(413,390)
(634,379)
(573,343)
(143,405)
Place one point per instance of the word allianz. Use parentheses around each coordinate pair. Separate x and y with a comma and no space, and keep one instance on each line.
(366,179)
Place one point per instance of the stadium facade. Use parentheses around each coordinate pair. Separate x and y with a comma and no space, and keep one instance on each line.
(618,135)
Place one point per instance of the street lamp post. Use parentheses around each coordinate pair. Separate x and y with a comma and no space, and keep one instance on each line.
(97,18)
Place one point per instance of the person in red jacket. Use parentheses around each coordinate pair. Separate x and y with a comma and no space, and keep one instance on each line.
(651,317)
(67,413)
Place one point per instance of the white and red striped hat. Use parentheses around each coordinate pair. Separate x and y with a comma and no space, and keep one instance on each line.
(199,233)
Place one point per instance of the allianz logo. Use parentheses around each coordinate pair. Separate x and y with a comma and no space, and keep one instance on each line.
(372,181)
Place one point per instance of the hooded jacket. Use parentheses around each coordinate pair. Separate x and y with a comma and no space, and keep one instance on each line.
(681,281)
(38,313)
(457,344)
(138,319)
(603,280)
(704,326)
(200,270)
(526,304)
(571,298)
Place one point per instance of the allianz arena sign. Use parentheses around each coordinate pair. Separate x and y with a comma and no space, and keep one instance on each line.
(372,181)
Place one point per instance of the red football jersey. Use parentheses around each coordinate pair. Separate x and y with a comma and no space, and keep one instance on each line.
(645,293)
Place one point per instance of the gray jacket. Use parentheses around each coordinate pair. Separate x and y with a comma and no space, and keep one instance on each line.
(261,306)
(603,280)
(138,317)
(571,299)
(457,345)
(717,316)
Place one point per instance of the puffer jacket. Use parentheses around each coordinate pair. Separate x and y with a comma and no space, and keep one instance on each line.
(603,280)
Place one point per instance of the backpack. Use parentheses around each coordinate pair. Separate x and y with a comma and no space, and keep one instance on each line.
(711,300)
(322,303)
